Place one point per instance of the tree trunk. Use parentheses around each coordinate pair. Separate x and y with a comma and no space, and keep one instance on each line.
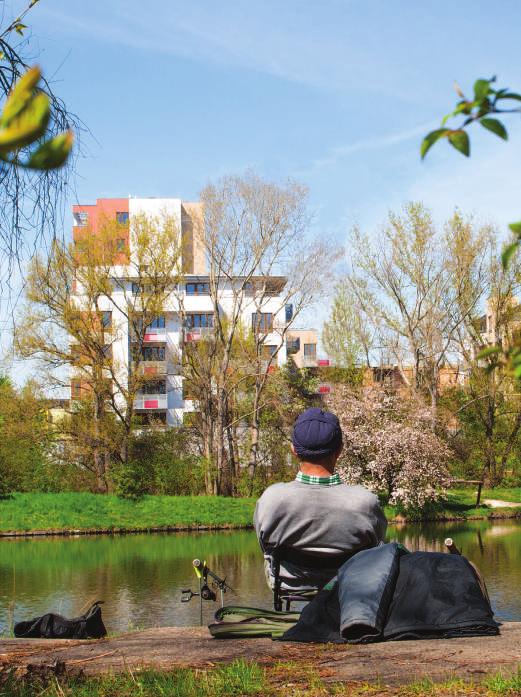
(254,448)
(224,472)
(99,456)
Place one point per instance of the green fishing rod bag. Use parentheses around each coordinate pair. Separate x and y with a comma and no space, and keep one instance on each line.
(234,622)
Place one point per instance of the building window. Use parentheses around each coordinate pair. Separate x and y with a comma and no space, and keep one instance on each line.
(197,289)
(310,350)
(121,244)
(107,351)
(262,322)
(153,387)
(292,346)
(157,323)
(153,353)
(196,320)
(106,319)
(268,350)
(75,389)
(81,219)
(289,312)
(145,288)
(122,217)
(150,418)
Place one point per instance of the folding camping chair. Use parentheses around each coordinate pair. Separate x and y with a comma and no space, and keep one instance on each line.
(304,560)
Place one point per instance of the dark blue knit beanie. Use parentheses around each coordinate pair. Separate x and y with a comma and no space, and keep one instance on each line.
(316,433)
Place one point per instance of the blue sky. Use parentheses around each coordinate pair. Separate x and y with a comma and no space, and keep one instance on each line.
(336,93)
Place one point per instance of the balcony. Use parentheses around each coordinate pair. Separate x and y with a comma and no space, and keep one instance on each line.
(159,368)
(197,333)
(151,401)
(157,336)
(309,362)
(153,368)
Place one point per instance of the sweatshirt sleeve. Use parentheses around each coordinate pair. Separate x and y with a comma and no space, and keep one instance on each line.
(264,520)
(380,521)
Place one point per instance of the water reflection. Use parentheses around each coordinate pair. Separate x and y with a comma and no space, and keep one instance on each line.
(140,577)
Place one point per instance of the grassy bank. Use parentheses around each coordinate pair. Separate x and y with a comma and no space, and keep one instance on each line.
(244,678)
(460,504)
(84,511)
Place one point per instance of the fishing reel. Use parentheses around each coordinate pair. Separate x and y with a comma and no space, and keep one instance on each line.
(203,574)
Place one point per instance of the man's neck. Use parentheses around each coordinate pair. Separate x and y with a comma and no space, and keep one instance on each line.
(314,470)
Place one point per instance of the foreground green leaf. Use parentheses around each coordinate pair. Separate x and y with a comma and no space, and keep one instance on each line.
(495,126)
(516,227)
(20,96)
(28,126)
(508,253)
(53,153)
(481,89)
(489,351)
(460,140)
(431,138)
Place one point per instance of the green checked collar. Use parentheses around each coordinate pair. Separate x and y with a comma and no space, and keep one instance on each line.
(333,480)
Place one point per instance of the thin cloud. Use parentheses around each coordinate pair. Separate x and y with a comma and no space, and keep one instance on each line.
(337,154)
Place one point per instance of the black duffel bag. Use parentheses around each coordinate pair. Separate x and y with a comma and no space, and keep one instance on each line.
(53,626)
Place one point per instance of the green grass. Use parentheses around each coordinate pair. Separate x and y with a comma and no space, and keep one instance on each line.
(461,504)
(84,511)
(238,678)
(242,678)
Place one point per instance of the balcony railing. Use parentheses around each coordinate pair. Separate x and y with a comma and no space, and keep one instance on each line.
(155,336)
(197,333)
(149,368)
(151,401)
(309,362)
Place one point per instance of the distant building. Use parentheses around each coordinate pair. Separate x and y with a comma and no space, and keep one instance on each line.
(161,395)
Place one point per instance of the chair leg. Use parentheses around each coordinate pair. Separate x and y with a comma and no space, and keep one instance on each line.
(288,605)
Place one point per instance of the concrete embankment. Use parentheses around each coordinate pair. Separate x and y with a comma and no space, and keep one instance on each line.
(167,648)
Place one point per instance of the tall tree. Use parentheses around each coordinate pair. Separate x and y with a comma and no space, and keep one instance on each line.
(404,286)
(488,405)
(346,337)
(260,259)
(79,309)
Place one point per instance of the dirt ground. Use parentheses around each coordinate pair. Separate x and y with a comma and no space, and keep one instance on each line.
(391,663)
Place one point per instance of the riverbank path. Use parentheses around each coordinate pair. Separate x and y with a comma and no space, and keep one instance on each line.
(171,647)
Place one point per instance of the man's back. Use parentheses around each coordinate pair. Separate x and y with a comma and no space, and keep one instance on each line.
(325,519)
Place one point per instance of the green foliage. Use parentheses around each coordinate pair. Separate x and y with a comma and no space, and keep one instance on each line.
(24,434)
(160,462)
(344,334)
(486,100)
(24,122)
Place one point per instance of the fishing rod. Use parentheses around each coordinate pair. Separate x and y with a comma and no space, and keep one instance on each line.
(203,573)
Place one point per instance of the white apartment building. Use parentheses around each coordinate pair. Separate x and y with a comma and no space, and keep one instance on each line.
(188,313)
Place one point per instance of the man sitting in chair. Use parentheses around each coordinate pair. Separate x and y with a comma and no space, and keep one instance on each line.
(307,528)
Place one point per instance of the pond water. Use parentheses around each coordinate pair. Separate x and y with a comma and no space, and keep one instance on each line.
(140,577)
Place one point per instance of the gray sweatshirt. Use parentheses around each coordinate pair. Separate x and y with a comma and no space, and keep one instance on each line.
(318,519)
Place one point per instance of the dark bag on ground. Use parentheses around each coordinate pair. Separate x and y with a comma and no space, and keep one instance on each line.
(387,593)
(53,626)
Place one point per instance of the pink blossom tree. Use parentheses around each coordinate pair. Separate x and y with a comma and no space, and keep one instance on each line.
(389,446)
